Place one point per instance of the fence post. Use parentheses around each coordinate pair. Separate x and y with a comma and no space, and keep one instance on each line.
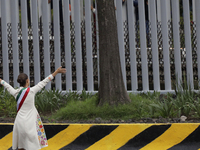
(131,29)
(97,38)
(176,35)
(168,10)
(57,49)
(66,19)
(15,47)
(88,28)
(158,10)
(143,46)
(25,37)
(194,9)
(164,21)
(4,41)
(197,6)
(189,66)
(45,20)
(35,42)
(79,74)
(121,39)
(0,8)
(156,75)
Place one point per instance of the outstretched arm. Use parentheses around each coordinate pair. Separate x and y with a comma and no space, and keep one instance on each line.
(9,88)
(42,84)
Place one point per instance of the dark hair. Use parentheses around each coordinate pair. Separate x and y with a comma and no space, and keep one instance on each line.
(22,79)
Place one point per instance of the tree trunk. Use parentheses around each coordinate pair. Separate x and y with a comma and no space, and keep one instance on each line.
(112,89)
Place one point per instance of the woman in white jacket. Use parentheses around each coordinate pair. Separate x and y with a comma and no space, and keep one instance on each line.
(28,130)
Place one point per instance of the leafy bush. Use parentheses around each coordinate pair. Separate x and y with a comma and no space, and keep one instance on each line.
(165,107)
(7,104)
(49,100)
(185,98)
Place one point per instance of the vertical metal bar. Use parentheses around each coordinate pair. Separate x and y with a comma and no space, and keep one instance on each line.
(165,45)
(197,6)
(131,27)
(72,10)
(4,41)
(45,20)
(49,11)
(66,16)
(168,9)
(194,9)
(15,46)
(8,10)
(156,75)
(79,74)
(0,8)
(35,42)
(97,37)
(88,28)
(124,11)
(57,49)
(189,66)
(120,29)
(25,36)
(39,8)
(176,34)
(158,10)
(145,77)
(81,9)
(31,10)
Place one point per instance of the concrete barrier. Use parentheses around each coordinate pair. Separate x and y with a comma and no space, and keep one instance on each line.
(180,136)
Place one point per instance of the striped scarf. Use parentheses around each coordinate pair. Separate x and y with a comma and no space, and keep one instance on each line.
(21,97)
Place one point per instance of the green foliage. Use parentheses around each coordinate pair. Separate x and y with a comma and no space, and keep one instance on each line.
(7,104)
(185,98)
(151,96)
(196,106)
(49,100)
(75,96)
(83,106)
(165,107)
(88,109)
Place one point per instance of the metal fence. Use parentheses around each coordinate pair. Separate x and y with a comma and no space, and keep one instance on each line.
(150,60)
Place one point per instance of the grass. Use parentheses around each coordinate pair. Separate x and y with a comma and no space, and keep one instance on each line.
(87,110)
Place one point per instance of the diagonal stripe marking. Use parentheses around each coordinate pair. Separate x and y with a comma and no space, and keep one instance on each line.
(66,136)
(174,135)
(6,141)
(120,136)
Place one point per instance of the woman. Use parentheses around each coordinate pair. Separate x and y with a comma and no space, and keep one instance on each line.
(28,130)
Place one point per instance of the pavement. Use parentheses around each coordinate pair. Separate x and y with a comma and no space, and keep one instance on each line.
(172,136)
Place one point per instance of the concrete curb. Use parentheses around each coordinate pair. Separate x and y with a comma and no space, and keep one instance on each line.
(178,136)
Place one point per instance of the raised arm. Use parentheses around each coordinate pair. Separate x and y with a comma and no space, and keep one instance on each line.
(43,83)
(9,88)
(59,70)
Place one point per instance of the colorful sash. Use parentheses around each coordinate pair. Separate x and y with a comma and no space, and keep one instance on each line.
(21,97)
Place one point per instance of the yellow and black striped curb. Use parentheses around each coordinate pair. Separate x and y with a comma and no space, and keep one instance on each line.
(184,136)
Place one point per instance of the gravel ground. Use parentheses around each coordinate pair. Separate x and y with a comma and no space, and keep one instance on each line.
(99,120)
(144,120)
